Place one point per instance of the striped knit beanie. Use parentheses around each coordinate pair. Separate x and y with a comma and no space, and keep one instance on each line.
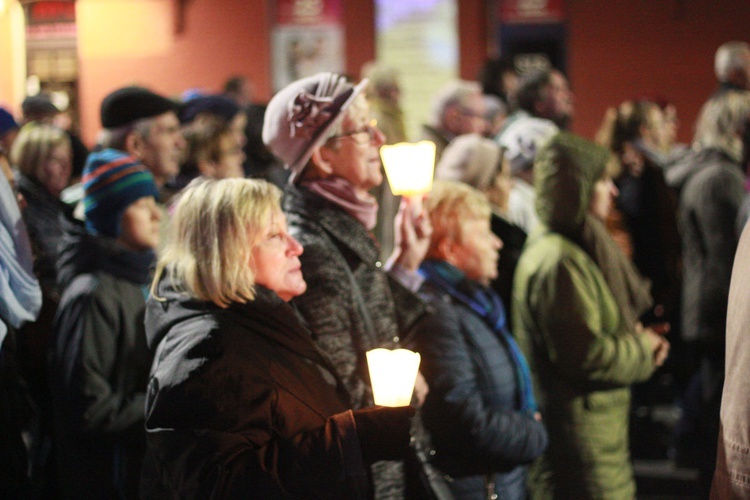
(112,180)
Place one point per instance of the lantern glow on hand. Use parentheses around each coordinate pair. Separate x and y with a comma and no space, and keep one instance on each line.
(409,167)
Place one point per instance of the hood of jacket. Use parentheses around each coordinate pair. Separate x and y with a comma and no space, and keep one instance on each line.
(565,171)
(81,252)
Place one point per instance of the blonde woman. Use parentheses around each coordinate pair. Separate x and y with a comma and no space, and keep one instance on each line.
(43,156)
(241,403)
(480,409)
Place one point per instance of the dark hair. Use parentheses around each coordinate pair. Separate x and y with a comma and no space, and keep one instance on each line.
(629,122)
(234,84)
(490,76)
(530,88)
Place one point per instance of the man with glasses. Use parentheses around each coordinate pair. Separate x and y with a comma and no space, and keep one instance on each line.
(457,109)
(321,128)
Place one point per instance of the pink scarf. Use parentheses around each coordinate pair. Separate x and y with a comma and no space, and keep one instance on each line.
(341,193)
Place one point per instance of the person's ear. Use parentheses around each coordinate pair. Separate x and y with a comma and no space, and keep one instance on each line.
(322,160)
(134,144)
(446,251)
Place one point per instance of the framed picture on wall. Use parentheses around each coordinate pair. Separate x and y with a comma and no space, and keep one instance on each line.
(308,37)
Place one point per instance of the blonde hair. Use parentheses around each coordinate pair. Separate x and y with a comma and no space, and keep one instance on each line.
(33,148)
(449,205)
(214,227)
(721,122)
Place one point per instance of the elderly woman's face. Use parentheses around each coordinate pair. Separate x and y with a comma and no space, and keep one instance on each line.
(354,154)
(477,252)
(275,259)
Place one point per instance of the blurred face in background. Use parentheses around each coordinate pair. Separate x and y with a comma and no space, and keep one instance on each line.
(161,150)
(139,227)
(468,117)
(603,197)
(558,101)
(476,252)
(57,169)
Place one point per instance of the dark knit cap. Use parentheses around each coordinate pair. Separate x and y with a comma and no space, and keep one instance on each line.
(217,105)
(7,122)
(38,106)
(128,104)
(112,180)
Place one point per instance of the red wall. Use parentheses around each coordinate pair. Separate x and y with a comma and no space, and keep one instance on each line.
(623,49)
(617,49)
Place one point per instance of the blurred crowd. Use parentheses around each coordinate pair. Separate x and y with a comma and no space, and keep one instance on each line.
(187,304)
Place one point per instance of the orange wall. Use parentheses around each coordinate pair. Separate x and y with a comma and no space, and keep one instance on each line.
(616,50)
(135,41)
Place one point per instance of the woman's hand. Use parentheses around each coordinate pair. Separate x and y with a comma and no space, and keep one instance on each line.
(413,233)
(421,389)
(658,343)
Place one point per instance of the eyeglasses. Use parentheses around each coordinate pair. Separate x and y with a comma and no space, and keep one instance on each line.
(371,129)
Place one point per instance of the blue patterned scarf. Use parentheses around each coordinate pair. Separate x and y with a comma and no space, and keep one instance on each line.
(488,305)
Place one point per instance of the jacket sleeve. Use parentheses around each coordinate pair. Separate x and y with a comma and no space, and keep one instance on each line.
(579,329)
(89,339)
(324,462)
(715,220)
(455,411)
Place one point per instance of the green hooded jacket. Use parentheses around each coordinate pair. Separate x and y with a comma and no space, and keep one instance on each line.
(582,351)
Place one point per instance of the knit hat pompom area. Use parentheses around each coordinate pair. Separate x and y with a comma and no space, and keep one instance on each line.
(112,181)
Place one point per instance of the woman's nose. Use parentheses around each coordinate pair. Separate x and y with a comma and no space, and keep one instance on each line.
(294,248)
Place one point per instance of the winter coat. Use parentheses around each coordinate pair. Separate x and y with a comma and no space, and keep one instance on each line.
(347,321)
(709,203)
(44,219)
(242,404)
(472,409)
(582,356)
(732,476)
(650,210)
(513,238)
(334,241)
(99,368)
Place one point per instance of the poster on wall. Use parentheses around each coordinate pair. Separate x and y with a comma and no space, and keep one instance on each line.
(308,37)
(531,11)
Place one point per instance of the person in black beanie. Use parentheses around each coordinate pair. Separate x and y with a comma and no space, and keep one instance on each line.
(144,125)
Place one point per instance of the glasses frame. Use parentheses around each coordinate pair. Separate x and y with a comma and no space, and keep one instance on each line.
(371,129)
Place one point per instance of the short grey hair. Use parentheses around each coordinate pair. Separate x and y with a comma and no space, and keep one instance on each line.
(456,93)
(731,57)
(116,138)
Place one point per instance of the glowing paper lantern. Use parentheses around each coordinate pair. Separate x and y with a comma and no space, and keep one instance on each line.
(409,167)
(393,374)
